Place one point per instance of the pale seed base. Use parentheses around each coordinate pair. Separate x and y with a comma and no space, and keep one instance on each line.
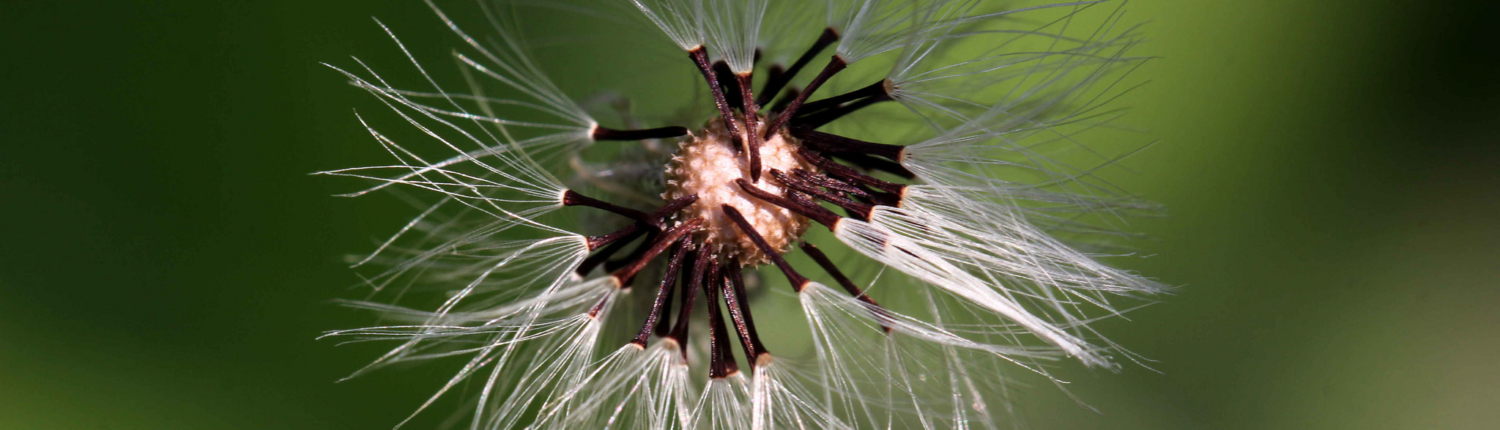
(707,165)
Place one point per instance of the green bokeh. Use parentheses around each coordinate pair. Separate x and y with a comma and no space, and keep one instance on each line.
(166,261)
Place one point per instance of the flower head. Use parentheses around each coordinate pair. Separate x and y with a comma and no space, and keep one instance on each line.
(960,211)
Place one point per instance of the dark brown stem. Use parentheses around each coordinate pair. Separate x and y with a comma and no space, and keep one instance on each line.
(615,245)
(635,254)
(838,275)
(800,198)
(632,231)
(603,134)
(599,307)
(812,211)
(728,84)
(862,209)
(876,89)
(823,118)
(664,294)
(797,280)
(702,260)
(778,81)
(618,239)
(700,58)
(721,360)
(752,120)
(843,145)
(739,310)
(625,274)
(824,181)
(847,173)
(670,208)
(872,163)
(573,198)
(595,242)
(848,188)
(835,65)
(685,274)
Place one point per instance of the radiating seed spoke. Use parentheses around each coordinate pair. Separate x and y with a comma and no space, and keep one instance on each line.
(797,280)
(739,310)
(700,58)
(664,294)
(573,198)
(625,274)
(862,209)
(843,281)
(721,360)
(606,134)
(812,211)
(835,65)
(773,85)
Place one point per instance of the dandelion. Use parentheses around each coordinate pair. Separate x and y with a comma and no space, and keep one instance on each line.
(965,209)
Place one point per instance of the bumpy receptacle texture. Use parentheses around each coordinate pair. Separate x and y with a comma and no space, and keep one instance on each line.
(707,165)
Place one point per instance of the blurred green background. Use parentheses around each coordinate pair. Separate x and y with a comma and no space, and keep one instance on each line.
(167,262)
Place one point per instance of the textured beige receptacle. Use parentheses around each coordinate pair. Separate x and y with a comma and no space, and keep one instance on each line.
(707,165)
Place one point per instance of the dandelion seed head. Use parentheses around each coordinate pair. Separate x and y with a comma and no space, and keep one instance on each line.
(540,248)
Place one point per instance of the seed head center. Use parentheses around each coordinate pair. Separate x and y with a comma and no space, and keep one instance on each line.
(707,164)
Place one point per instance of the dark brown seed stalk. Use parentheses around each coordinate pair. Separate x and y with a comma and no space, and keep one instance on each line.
(604,134)
(721,360)
(752,123)
(739,310)
(700,58)
(797,280)
(703,259)
(847,173)
(625,274)
(862,209)
(835,65)
(812,211)
(779,81)
(573,198)
(842,145)
(843,281)
(664,294)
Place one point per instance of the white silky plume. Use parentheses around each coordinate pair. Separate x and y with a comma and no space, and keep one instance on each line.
(724,404)
(503,62)
(1049,99)
(787,29)
(456,235)
(780,399)
(533,347)
(871,27)
(490,186)
(734,31)
(1025,55)
(1003,242)
(1005,157)
(916,374)
(632,388)
(481,198)
(683,21)
(487,174)
(490,175)
(919,260)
